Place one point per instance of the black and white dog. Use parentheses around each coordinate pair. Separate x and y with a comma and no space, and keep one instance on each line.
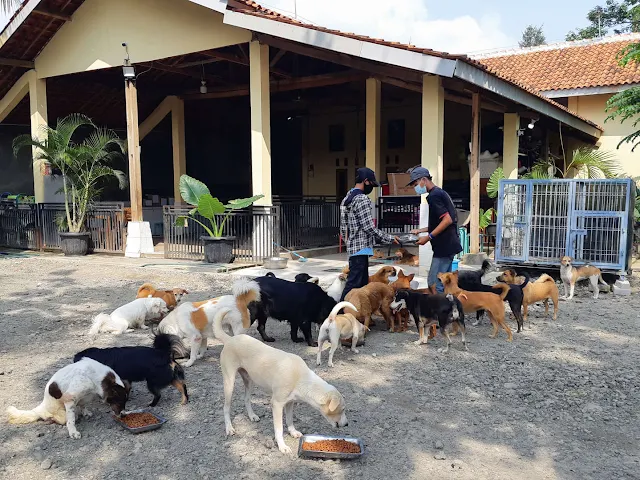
(427,310)
(154,365)
(301,304)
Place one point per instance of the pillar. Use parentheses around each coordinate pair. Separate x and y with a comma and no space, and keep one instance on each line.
(474,176)
(372,135)
(178,145)
(511,145)
(39,120)
(260,121)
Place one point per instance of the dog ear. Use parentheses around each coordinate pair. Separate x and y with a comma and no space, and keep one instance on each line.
(411,277)
(334,401)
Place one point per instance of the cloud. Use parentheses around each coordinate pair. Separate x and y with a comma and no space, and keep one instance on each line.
(402,21)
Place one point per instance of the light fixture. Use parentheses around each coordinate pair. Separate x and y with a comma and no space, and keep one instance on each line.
(128,70)
(532,124)
(203,83)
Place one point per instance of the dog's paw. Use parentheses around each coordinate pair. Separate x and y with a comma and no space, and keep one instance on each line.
(75,435)
(230,431)
(294,433)
(443,350)
(355,350)
(330,364)
(284,449)
(87,413)
(254,418)
(419,342)
(144,327)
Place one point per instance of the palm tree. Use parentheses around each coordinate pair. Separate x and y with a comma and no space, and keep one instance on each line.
(83,166)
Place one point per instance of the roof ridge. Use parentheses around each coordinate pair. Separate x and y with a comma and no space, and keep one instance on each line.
(505,52)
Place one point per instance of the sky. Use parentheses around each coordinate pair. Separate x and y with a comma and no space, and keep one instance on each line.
(456,26)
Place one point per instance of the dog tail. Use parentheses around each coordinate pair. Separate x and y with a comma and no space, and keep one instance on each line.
(486,266)
(16,416)
(505,289)
(146,286)
(98,322)
(339,306)
(526,280)
(545,278)
(171,344)
(246,291)
(218,331)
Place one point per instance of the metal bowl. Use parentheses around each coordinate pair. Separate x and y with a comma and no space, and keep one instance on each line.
(318,454)
(275,263)
(146,428)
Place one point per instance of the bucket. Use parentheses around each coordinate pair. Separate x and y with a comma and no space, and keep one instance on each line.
(454,265)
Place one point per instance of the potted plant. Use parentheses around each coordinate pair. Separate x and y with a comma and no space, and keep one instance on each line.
(83,166)
(217,247)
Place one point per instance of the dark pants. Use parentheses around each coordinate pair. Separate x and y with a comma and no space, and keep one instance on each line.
(358,273)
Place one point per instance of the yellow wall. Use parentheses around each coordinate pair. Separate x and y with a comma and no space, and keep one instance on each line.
(153,29)
(593,108)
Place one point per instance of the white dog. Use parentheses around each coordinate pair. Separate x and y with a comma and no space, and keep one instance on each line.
(129,316)
(283,375)
(336,327)
(337,287)
(73,387)
(193,320)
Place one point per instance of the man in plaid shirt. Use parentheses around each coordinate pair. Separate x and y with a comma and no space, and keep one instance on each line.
(358,230)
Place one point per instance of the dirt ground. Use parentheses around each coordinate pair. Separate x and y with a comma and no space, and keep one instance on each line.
(562,401)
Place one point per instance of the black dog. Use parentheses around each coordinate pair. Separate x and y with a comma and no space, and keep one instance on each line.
(474,276)
(299,303)
(428,310)
(305,277)
(154,365)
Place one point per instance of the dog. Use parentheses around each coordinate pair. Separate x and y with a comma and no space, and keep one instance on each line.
(334,290)
(171,297)
(475,276)
(129,316)
(193,320)
(285,376)
(337,327)
(377,254)
(383,274)
(403,257)
(370,299)
(474,301)
(428,310)
(401,317)
(299,303)
(156,365)
(570,275)
(543,289)
(305,277)
(69,390)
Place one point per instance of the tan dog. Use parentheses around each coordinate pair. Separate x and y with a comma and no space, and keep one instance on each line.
(337,327)
(403,257)
(543,289)
(474,301)
(570,275)
(171,297)
(382,275)
(368,300)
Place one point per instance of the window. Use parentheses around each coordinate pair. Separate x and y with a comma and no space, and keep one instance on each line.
(336,138)
(395,133)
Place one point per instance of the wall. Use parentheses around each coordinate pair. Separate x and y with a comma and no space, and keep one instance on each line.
(153,29)
(593,108)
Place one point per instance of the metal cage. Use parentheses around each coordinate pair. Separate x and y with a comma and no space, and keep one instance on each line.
(591,221)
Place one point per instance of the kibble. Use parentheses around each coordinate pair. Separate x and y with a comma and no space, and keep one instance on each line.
(333,446)
(137,420)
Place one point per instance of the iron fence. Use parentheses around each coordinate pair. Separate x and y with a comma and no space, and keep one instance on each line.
(308,222)
(398,214)
(540,221)
(35,226)
(254,230)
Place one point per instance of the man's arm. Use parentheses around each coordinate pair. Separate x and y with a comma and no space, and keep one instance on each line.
(440,209)
(343,223)
(363,212)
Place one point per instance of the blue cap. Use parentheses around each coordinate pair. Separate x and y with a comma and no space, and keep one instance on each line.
(418,173)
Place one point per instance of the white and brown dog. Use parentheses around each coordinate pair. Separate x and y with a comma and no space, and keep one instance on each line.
(69,390)
(171,297)
(337,327)
(129,316)
(570,275)
(192,321)
(285,376)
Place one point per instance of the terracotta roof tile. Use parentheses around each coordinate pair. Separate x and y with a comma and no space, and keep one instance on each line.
(568,65)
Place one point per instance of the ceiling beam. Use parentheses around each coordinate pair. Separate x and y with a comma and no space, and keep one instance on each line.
(276,58)
(230,57)
(342,59)
(49,13)
(276,86)
(10,62)
(180,71)
(197,63)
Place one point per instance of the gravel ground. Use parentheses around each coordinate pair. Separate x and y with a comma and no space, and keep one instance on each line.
(561,401)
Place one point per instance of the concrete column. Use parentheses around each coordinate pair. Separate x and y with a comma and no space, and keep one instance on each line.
(39,120)
(178,145)
(511,145)
(260,121)
(474,176)
(372,135)
(433,126)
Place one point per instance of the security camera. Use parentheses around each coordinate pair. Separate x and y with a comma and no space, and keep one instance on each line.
(124,44)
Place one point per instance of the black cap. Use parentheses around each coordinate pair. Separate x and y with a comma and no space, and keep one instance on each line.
(365,173)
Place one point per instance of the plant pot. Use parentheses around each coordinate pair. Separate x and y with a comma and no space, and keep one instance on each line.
(74,244)
(218,249)
(491,230)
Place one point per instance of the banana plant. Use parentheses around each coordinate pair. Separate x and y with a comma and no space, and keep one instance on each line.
(197,194)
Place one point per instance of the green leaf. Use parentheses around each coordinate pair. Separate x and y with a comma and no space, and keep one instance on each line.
(209,206)
(191,189)
(241,203)
(494,182)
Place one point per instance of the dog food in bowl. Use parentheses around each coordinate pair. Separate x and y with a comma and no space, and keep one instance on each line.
(332,446)
(324,446)
(138,420)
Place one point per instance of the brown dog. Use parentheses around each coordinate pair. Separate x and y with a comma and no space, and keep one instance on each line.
(403,257)
(474,301)
(402,317)
(368,300)
(570,275)
(543,289)
(382,275)
(170,297)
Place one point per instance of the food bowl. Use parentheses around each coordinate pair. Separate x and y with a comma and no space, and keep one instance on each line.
(275,263)
(144,428)
(322,454)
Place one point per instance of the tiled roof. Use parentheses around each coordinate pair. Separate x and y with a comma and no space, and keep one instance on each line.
(568,65)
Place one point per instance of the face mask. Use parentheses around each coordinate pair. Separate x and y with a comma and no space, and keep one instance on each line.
(420,190)
(368,188)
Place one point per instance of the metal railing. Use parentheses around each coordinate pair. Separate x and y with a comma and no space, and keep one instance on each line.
(308,222)
(35,226)
(398,214)
(254,230)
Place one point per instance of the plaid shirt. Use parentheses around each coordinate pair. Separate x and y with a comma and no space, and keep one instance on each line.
(356,225)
